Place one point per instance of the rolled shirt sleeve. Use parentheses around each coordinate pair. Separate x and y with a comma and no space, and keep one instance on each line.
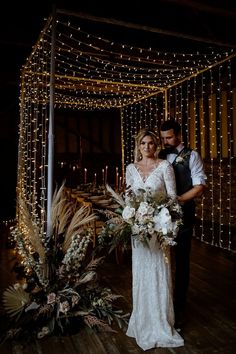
(197,169)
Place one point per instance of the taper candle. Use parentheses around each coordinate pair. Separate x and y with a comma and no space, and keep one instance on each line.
(117,180)
(106,168)
(85,175)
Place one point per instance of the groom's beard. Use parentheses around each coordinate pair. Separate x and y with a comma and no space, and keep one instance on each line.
(169,148)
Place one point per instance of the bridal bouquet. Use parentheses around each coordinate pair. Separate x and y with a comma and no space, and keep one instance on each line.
(141,216)
(152,215)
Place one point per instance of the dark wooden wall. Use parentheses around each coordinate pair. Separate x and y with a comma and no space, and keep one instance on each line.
(89,140)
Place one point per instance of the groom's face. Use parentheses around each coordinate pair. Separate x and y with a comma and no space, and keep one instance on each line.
(169,139)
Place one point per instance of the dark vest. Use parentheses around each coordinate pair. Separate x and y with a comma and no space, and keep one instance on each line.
(181,168)
(183,179)
(182,171)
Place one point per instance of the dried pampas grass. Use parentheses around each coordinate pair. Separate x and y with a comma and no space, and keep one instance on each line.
(32,231)
(66,219)
(81,217)
(115,196)
(61,210)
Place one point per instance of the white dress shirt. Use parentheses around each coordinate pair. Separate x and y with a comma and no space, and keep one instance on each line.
(195,165)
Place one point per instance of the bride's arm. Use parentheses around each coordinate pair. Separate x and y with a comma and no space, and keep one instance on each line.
(170,183)
(128,176)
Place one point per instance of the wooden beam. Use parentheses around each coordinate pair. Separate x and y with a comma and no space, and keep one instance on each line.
(200,7)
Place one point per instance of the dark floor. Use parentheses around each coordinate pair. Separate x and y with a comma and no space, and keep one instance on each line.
(211,312)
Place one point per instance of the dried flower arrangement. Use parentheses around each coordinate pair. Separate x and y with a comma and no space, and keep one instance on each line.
(59,282)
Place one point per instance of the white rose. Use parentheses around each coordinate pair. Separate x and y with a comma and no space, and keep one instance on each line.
(163,221)
(135,229)
(145,208)
(128,213)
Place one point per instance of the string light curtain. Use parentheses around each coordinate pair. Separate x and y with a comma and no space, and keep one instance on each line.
(203,105)
(147,84)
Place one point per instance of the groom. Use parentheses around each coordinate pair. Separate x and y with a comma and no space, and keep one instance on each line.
(190,184)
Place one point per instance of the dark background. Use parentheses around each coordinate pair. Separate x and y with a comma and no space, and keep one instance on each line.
(20,25)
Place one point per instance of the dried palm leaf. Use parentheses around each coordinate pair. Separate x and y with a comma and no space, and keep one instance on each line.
(14,300)
(93,264)
(115,196)
(33,232)
(85,278)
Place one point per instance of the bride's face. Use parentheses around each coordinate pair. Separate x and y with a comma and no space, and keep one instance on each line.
(147,146)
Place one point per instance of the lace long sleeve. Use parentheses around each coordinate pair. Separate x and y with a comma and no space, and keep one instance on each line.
(170,183)
(128,176)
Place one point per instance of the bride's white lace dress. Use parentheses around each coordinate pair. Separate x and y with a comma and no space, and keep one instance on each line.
(152,319)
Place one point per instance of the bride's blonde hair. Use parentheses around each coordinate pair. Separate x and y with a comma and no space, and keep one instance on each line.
(139,137)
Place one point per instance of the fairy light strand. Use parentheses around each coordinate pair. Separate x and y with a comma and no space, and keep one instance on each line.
(202,137)
(230,115)
(212,160)
(94,73)
(220,147)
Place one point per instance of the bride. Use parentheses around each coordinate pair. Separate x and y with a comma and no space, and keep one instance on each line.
(152,319)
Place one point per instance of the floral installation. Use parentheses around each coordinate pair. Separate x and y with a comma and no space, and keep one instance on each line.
(182,157)
(141,216)
(91,188)
(58,286)
(115,232)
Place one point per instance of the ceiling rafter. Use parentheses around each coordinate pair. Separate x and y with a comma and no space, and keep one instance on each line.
(203,7)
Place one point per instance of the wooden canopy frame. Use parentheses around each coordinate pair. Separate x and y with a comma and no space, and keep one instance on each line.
(73,65)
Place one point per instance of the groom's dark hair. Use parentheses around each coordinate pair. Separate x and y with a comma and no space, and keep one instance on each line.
(171,124)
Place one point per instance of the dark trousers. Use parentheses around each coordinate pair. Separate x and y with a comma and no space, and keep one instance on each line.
(182,257)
